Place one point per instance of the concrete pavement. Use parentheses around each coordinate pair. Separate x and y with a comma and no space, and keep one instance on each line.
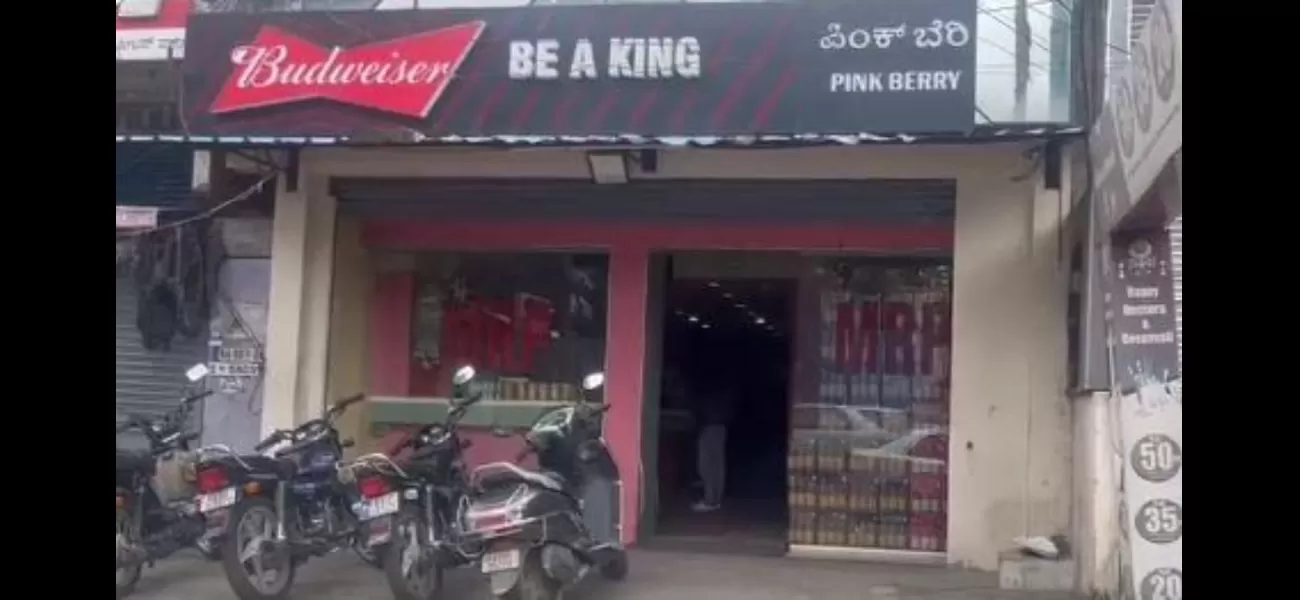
(654,576)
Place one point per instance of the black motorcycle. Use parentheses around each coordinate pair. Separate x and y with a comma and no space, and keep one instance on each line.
(536,541)
(409,506)
(156,515)
(271,513)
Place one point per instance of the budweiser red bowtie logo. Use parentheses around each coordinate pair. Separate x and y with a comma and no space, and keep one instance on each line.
(404,76)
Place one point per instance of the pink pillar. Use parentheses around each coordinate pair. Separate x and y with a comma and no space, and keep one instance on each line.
(625,366)
(390,334)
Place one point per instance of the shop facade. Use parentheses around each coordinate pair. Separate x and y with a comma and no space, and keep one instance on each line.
(530,181)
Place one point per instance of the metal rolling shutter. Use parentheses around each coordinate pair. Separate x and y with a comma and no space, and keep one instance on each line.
(149,382)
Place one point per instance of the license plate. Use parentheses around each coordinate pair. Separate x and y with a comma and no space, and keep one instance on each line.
(217,500)
(503,560)
(381,530)
(378,507)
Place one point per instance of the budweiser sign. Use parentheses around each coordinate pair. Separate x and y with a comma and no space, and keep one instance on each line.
(403,76)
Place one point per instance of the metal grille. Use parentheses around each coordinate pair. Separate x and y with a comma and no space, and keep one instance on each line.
(149,382)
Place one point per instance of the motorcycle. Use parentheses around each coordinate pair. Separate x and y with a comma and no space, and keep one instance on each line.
(271,512)
(156,515)
(536,542)
(409,507)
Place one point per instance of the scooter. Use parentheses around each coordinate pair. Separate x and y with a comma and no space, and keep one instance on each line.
(156,515)
(536,542)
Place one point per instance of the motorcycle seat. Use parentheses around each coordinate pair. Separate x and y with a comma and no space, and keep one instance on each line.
(500,473)
(135,460)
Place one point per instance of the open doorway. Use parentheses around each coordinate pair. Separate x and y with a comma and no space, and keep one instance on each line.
(727,355)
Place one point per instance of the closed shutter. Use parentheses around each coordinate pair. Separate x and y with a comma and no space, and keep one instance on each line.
(149,381)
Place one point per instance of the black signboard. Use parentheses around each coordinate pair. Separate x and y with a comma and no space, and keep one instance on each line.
(1143,333)
(879,66)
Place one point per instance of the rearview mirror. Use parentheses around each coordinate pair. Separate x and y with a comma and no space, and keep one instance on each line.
(593,380)
(196,372)
(463,375)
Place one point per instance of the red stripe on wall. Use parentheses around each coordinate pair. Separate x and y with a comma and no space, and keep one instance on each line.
(625,367)
(390,340)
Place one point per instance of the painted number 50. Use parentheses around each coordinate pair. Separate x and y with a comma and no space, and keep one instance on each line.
(1156,455)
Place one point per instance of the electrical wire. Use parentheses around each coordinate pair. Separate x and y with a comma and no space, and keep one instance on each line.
(207,214)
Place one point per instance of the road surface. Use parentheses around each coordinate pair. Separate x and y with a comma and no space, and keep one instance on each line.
(654,576)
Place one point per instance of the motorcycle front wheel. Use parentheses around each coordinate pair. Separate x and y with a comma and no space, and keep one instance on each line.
(256,565)
(412,569)
(127,536)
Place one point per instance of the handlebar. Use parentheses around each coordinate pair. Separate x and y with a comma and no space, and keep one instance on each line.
(341,405)
(276,437)
(197,397)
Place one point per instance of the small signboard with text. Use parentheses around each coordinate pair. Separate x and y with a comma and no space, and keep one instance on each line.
(660,70)
(151,29)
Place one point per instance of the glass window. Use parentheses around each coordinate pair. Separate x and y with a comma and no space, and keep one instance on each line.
(871,470)
(532,324)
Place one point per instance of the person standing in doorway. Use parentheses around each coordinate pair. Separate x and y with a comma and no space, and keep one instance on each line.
(716,402)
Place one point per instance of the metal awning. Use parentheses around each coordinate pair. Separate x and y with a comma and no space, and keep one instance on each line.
(982,134)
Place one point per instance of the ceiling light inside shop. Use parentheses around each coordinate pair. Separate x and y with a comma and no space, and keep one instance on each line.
(693,319)
(713,284)
(760,320)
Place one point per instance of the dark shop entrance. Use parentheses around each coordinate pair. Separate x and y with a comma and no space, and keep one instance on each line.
(723,404)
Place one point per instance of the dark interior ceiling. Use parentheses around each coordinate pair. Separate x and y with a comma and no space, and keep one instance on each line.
(732,304)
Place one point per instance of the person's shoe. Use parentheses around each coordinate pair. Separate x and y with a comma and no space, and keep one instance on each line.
(703,507)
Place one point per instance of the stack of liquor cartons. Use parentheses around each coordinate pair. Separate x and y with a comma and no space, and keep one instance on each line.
(802,463)
(928,495)
(833,494)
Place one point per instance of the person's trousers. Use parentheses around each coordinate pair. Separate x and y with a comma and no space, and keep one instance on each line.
(712,462)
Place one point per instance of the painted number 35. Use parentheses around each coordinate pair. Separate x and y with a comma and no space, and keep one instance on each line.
(1160,518)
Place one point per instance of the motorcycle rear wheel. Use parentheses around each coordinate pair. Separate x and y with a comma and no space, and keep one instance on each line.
(250,519)
(127,531)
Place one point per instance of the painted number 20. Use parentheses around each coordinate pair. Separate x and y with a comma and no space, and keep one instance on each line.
(1167,587)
